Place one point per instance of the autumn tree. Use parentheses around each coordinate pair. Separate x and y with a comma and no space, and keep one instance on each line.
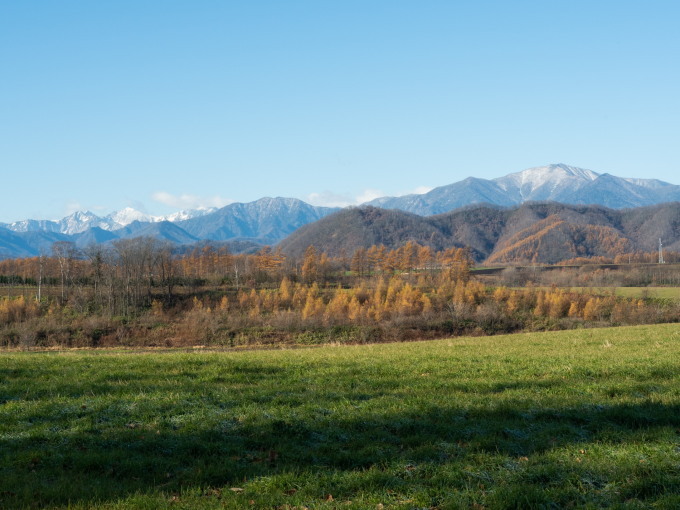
(359,264)
(268,260)
(408,259)
(310,266)
(376,256)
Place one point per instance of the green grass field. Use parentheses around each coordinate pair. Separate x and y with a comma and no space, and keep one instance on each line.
(670,293)
(651,292)
(584,419)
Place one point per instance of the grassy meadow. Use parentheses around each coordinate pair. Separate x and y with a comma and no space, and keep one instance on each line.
(651,292)
(665,293)
(583,418)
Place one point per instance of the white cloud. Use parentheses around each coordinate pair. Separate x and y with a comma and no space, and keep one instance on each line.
(137,205)
(330,199)
(369,194)
(420,190)
(72,207)
(186,201)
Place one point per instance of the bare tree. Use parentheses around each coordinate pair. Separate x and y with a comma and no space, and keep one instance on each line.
(167,267)
(41,272)
(97,256)
(65,253)
(138,259)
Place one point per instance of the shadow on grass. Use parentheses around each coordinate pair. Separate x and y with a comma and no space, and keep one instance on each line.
(102,462)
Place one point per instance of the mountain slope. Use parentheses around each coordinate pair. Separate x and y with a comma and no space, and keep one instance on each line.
(94,235)
(163,230)
(12,245)
(552,182)
(81,221)
(267,220)
(558,183)
(616,193)
(244,226)
(553,239)
(530,233)
(345,231)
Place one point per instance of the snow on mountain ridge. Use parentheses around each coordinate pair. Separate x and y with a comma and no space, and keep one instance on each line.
(556,183)
(128,215)
(648,183)
(544,182)
(187,214)
(556,175)
(80,221)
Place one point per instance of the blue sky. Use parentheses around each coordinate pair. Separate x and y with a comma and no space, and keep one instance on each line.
(165,105)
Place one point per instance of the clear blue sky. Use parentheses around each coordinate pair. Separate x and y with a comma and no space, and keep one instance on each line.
(163,105)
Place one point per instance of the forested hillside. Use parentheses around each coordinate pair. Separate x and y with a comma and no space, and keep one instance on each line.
(531,233)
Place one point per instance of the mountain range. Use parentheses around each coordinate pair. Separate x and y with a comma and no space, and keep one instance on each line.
(555,183)
(534,232)
(80,221)
(244,226)
(271,220)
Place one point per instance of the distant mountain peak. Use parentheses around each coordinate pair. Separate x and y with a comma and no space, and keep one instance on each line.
(269,220)
(187,214)
(553,183)
(128,215)
(82,214)
(547,178)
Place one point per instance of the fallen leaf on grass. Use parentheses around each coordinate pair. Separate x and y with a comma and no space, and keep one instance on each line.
(236,489)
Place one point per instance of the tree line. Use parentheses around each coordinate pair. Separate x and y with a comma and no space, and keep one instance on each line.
(128,275)
(140,292)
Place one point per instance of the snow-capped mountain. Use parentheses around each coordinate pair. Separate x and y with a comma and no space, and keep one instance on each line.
(75,223)
(265,221)
(189,214)
(556,183)
(82,221)
(33,226)
(544,182)
(269,220)
(127,216)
